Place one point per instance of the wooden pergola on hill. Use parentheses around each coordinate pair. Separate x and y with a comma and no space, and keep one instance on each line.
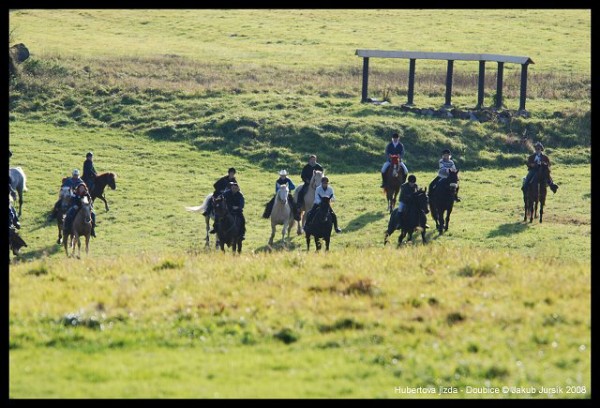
(450,57)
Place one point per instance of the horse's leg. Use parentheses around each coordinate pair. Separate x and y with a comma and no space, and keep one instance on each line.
(302,221)
(385,238)
(78,246)
(239,248)
(307,242)
(272,233)
(423,235)
(60,237)
(101,197)
(448,211)
(65,241)
(327,239)
(207,239)
(283,231)
(401,237)
(87,245)
(317,243)
(20,201)
(541,210)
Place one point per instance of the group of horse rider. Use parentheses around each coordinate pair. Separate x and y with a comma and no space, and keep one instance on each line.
(79,187)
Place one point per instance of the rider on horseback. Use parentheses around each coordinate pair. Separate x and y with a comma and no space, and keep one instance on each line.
(407,192)
(235,203)
(71,182)
(306,175)
(446,165)
(220,186)
(283,179)
(323,190)
(80,191)
(89,172)
(13,220)
(533,162)
(393,147)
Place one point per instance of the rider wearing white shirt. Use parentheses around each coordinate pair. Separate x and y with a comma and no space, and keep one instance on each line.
(324,190)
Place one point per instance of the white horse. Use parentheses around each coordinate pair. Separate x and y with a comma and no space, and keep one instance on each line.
(281,214)
(207,218)
(18,182)
(309,197)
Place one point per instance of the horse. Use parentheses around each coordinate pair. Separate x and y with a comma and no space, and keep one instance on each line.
(64,195)
(281,214)
(535,193)
(207,218)
(320,225)
(413,217)
(441,200)
(18,181)
(100,182)
(394,178)
(228,226)
(15,242)
(309,197)
(82,226)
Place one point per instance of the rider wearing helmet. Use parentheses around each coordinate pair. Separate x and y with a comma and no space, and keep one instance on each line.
(80,191)
(324,190)
(534,161)
(446,166)
(89,172)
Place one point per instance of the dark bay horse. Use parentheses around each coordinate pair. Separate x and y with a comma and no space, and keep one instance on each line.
(535,193)
(320,225)
(15,242)
(100,182)
(81,226)
(64,196)
(413,217)
(229,226)
(19,183)
(441,200)
(394,178)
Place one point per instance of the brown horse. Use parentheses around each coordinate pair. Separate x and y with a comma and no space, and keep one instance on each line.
(535,193)
(82,226)
(394,178)
(309,197)
(64,197)
(100,182)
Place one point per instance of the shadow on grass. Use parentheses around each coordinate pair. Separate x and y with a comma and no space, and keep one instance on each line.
(362,220)
(507,229)
(279,247)
(48,250)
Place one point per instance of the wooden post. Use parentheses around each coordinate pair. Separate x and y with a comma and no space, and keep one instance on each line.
(411,81)
(481,87)
(523,86)
(448,103)
(365,84)
(499,85)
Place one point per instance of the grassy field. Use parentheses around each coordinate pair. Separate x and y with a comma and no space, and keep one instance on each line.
(169,99)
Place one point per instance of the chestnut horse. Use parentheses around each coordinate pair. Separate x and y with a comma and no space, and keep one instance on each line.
(309,197)
(394,178)
(82,226)
(100,182)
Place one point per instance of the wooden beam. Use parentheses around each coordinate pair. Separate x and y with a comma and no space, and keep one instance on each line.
(365,82)
(411,82)
(455,56)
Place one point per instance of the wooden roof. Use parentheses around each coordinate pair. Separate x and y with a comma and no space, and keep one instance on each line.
(455,56)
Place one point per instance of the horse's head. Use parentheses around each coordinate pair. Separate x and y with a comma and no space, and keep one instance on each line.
(111,181)
(316,179)
(220,206)
(422,200)
(86,208)
(395,159)
(282,193)
(324,207)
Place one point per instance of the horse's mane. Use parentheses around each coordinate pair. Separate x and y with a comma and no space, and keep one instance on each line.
(107,174)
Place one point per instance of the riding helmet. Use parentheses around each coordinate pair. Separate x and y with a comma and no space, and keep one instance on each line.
(446,151)
(538,144)
(231,169)
(89,154)
(412,178)
(283,173)
(76,172)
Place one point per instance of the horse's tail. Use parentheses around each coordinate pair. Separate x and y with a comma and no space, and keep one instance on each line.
(202,207)
(24,178)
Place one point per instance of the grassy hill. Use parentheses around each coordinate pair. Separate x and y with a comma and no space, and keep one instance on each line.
(169,99)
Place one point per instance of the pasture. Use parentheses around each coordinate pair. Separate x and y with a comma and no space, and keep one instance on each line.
(151,313)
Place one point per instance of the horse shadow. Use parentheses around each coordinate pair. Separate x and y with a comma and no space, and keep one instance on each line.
(277,247)
(39,253)
(362,220)
(505,230)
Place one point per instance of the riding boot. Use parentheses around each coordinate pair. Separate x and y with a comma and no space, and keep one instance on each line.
(335,222)
(243,227)
(93,233)
(268,208)
(382,180)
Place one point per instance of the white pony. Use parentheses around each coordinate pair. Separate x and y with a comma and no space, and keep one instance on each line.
(18,182)
(207,218)
(281,214)
(309,197)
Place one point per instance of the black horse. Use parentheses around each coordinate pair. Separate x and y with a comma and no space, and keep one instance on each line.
(320,225)
(413,217)
(441,200)
(535,193)
(229,226)
(100,182)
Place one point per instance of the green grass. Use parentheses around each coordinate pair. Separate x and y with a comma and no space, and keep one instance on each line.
(169,99)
